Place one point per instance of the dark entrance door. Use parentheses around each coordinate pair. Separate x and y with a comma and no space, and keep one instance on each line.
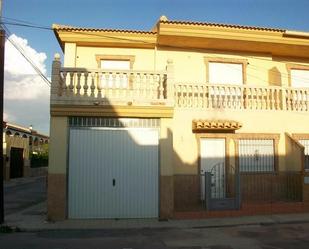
(16,162)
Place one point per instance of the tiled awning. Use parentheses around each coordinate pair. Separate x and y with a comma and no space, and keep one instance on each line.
(204,125)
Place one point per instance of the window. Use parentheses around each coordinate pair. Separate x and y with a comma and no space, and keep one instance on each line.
(305,143)
(225,73)
(115,64)
(299,78)
(256,155)
(115,80)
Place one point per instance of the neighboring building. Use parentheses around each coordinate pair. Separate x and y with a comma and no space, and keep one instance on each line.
(186,117)
(18,143)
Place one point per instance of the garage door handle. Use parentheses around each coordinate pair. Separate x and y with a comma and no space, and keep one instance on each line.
(114,182)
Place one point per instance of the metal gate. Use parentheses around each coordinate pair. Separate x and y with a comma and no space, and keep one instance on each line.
(222,188)
(113,168)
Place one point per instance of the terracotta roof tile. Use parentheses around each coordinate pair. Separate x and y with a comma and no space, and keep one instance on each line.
(201,124)
(71,28)
(223,25)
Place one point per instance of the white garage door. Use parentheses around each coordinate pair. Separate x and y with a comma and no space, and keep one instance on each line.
(113,173)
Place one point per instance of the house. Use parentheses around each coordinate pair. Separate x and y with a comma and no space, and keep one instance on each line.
(189,119)
(18,144)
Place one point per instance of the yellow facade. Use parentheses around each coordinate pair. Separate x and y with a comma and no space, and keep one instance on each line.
(267,57)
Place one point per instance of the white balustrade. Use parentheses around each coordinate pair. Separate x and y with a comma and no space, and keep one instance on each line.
(241,97)
(147,87)
(124,85)
(297,99)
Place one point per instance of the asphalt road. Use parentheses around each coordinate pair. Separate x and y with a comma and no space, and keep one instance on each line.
(18,197)
(25,194)
(292,236)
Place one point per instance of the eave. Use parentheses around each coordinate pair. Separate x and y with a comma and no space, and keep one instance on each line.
(276,42)
(110,38)
(193,35)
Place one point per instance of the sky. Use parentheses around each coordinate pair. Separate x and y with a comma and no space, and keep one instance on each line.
(26,95)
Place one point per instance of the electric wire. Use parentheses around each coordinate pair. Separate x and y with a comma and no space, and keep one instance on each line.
(31,25)
(18,20)
(79,32)
(106,36)
(25,56)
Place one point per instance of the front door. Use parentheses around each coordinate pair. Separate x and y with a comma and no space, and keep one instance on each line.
(213,160)
(16,162)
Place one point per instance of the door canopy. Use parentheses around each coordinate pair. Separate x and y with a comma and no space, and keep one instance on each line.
(200,125)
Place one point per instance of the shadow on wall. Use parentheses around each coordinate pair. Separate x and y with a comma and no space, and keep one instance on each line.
(113,171)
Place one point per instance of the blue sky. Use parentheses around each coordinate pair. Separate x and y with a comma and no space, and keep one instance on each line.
(137,14)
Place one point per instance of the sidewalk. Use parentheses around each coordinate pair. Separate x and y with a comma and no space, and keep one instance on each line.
(20,181)
(33,219)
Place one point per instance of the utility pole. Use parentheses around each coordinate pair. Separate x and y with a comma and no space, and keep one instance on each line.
(2,42)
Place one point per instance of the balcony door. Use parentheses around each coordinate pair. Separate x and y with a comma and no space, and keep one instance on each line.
(226,73)
(115,79)
(227,79)
(299,78)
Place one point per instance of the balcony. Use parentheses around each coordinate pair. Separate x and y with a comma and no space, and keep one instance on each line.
(244,97)
(82,86)
(97,87)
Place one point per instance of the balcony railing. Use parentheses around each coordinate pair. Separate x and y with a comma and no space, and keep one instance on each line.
(241,97)
(81,86)
(129,87)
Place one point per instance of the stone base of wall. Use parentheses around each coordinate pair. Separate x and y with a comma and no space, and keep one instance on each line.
(166,197)
(56,201)
(306,187)
(187,192)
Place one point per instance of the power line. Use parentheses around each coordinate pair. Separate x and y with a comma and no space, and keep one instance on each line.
(25,25)
(23,53)
(279,73)
(32,74)
(255,76)
(31,25)
(76,31)
(18,20)
(39,73)
(28,25)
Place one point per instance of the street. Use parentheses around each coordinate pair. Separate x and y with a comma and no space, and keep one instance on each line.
(22,193)
(23,196)
(290,236)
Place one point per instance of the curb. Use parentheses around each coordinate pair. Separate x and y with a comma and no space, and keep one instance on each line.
(263,223)
(28,180)
(269,223)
